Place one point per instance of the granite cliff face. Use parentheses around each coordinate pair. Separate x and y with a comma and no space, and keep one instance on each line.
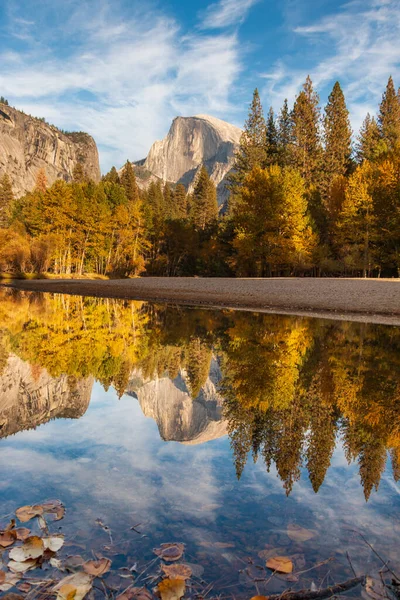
(191,142)
(180,417)
(30,397)
(28,145)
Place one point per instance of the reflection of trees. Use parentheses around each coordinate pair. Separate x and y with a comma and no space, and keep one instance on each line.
(291,385)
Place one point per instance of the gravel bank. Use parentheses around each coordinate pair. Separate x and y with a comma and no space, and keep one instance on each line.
(368,300)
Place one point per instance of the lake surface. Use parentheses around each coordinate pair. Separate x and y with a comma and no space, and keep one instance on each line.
(241,435)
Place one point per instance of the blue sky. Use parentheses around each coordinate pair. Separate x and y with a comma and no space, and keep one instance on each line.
(123,69)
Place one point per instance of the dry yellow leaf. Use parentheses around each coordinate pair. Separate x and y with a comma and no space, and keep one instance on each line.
(22,566)
(177,571)
(171,589)
(26,513)
(7,538)
(22,533)
(97,567)
(74,586)
(281,564)
(2,577)
(259,598)
(9,581)
(53,542)
(33,547)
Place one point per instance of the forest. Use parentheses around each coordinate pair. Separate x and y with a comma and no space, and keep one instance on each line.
(306,198)
(291,387)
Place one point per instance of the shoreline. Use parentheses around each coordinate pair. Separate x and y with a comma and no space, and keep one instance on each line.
(361,300)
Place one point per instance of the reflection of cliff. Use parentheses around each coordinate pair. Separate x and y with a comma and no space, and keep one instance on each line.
(179,417)
(30,397)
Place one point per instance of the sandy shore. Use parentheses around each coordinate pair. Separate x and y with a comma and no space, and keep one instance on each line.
(372,300)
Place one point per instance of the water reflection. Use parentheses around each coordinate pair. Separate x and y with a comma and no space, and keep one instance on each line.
(285,389)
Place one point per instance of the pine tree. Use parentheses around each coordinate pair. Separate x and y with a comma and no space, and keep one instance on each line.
(251,150)
(168,201)
(41,181)
(306,134)
(337,134)
(285,136)
(128,181)
(6,198)
(204,209)
(369,144)
(112,176)
(180,201)
(389,117)
(271,140)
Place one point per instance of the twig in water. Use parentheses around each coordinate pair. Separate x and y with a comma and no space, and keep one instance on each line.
(378,555)
(324,593)
(351,564)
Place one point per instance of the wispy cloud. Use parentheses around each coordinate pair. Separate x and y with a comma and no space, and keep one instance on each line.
(226,13)
(120,76)
(357,45)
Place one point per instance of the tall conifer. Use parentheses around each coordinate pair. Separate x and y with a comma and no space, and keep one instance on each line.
(251,150)
(337,134)
(285,136)
(128,181)
(6,198)
(369,142)
(389,117)
(306,133)
(271,139)
(204,207)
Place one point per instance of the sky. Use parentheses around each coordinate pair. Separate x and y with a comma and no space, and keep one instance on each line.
(121,70)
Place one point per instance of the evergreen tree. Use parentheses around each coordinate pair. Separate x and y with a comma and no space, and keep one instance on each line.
(251,150)
(337,135)
(204,209)
(6,199)
(128,181)
(271,139)
(112,176)
(285,136)
(180,202)
(306,133)
(168,201)
(369,144)
(389,117)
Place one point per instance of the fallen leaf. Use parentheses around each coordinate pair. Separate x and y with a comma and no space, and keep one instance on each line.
(281,564)
(73,587)
(53,542)
(74,561)
(24,587)
(177,571)
(12,596)
(171,589)
(223,545)
(7,538)
(9,581)
(33,547)
(56,563)
(170,552)
(54,507)
(259,598)
(22,566)
(299,534)
(97,567)
(374,588)
(22,533)
(26,513)
(135,593)
(2,577)
(42,523)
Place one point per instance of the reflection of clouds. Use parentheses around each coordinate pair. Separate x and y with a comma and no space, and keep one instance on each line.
(112,464)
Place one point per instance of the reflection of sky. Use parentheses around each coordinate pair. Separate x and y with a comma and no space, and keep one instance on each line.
(111,464)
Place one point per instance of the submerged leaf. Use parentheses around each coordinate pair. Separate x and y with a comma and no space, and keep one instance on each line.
(171,589)
(177,571)
(33,547)
(26,513)
(299,534)
(8,581)
(22,533)
(73,587)
(7,538)
(135,593)
(97,567)
(170,552)
(281,564)
(54,507)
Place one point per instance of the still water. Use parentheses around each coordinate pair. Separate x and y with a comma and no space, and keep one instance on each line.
(241,435)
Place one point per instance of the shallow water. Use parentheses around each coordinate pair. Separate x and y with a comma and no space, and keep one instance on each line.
(217,429)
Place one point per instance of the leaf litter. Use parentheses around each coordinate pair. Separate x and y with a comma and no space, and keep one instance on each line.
(72,577)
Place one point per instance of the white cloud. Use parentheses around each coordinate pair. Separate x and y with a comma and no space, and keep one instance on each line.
(357,46)
(226,13)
